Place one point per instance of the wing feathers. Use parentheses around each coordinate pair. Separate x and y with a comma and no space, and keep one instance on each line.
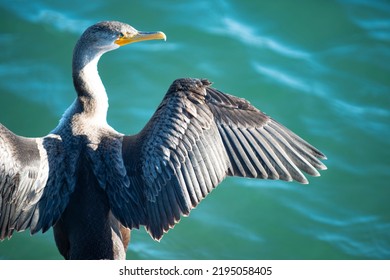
(34,185)
(199,135)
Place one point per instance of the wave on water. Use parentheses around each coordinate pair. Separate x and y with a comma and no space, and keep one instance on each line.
(249,36)
(39,13)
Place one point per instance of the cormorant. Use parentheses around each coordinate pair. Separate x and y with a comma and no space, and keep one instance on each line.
(93,184)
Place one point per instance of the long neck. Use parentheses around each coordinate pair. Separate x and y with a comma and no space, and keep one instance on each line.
(91,93)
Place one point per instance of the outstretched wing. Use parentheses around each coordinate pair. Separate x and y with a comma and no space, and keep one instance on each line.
(34,190)
(196,138)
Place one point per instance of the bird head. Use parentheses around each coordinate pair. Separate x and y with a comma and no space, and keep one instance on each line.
(109,35)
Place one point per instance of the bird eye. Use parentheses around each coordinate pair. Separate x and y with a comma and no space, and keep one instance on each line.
(121,35)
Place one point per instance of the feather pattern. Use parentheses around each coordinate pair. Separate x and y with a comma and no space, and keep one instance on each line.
(196,138)
(36,181)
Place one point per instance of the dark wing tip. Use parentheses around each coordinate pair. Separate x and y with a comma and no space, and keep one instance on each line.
(258,146)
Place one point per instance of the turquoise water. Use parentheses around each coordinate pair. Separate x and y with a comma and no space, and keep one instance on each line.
(322,68)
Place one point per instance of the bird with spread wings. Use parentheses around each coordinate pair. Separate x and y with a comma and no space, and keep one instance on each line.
(93,184)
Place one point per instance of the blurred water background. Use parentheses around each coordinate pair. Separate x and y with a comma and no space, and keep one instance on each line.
(322,68)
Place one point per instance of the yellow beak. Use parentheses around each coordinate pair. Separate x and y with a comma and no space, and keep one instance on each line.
(140,36)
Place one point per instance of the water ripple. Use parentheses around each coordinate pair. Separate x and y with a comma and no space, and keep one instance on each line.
(248,35)
(377,27)
(12,73)
(39,13)
(282,77)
